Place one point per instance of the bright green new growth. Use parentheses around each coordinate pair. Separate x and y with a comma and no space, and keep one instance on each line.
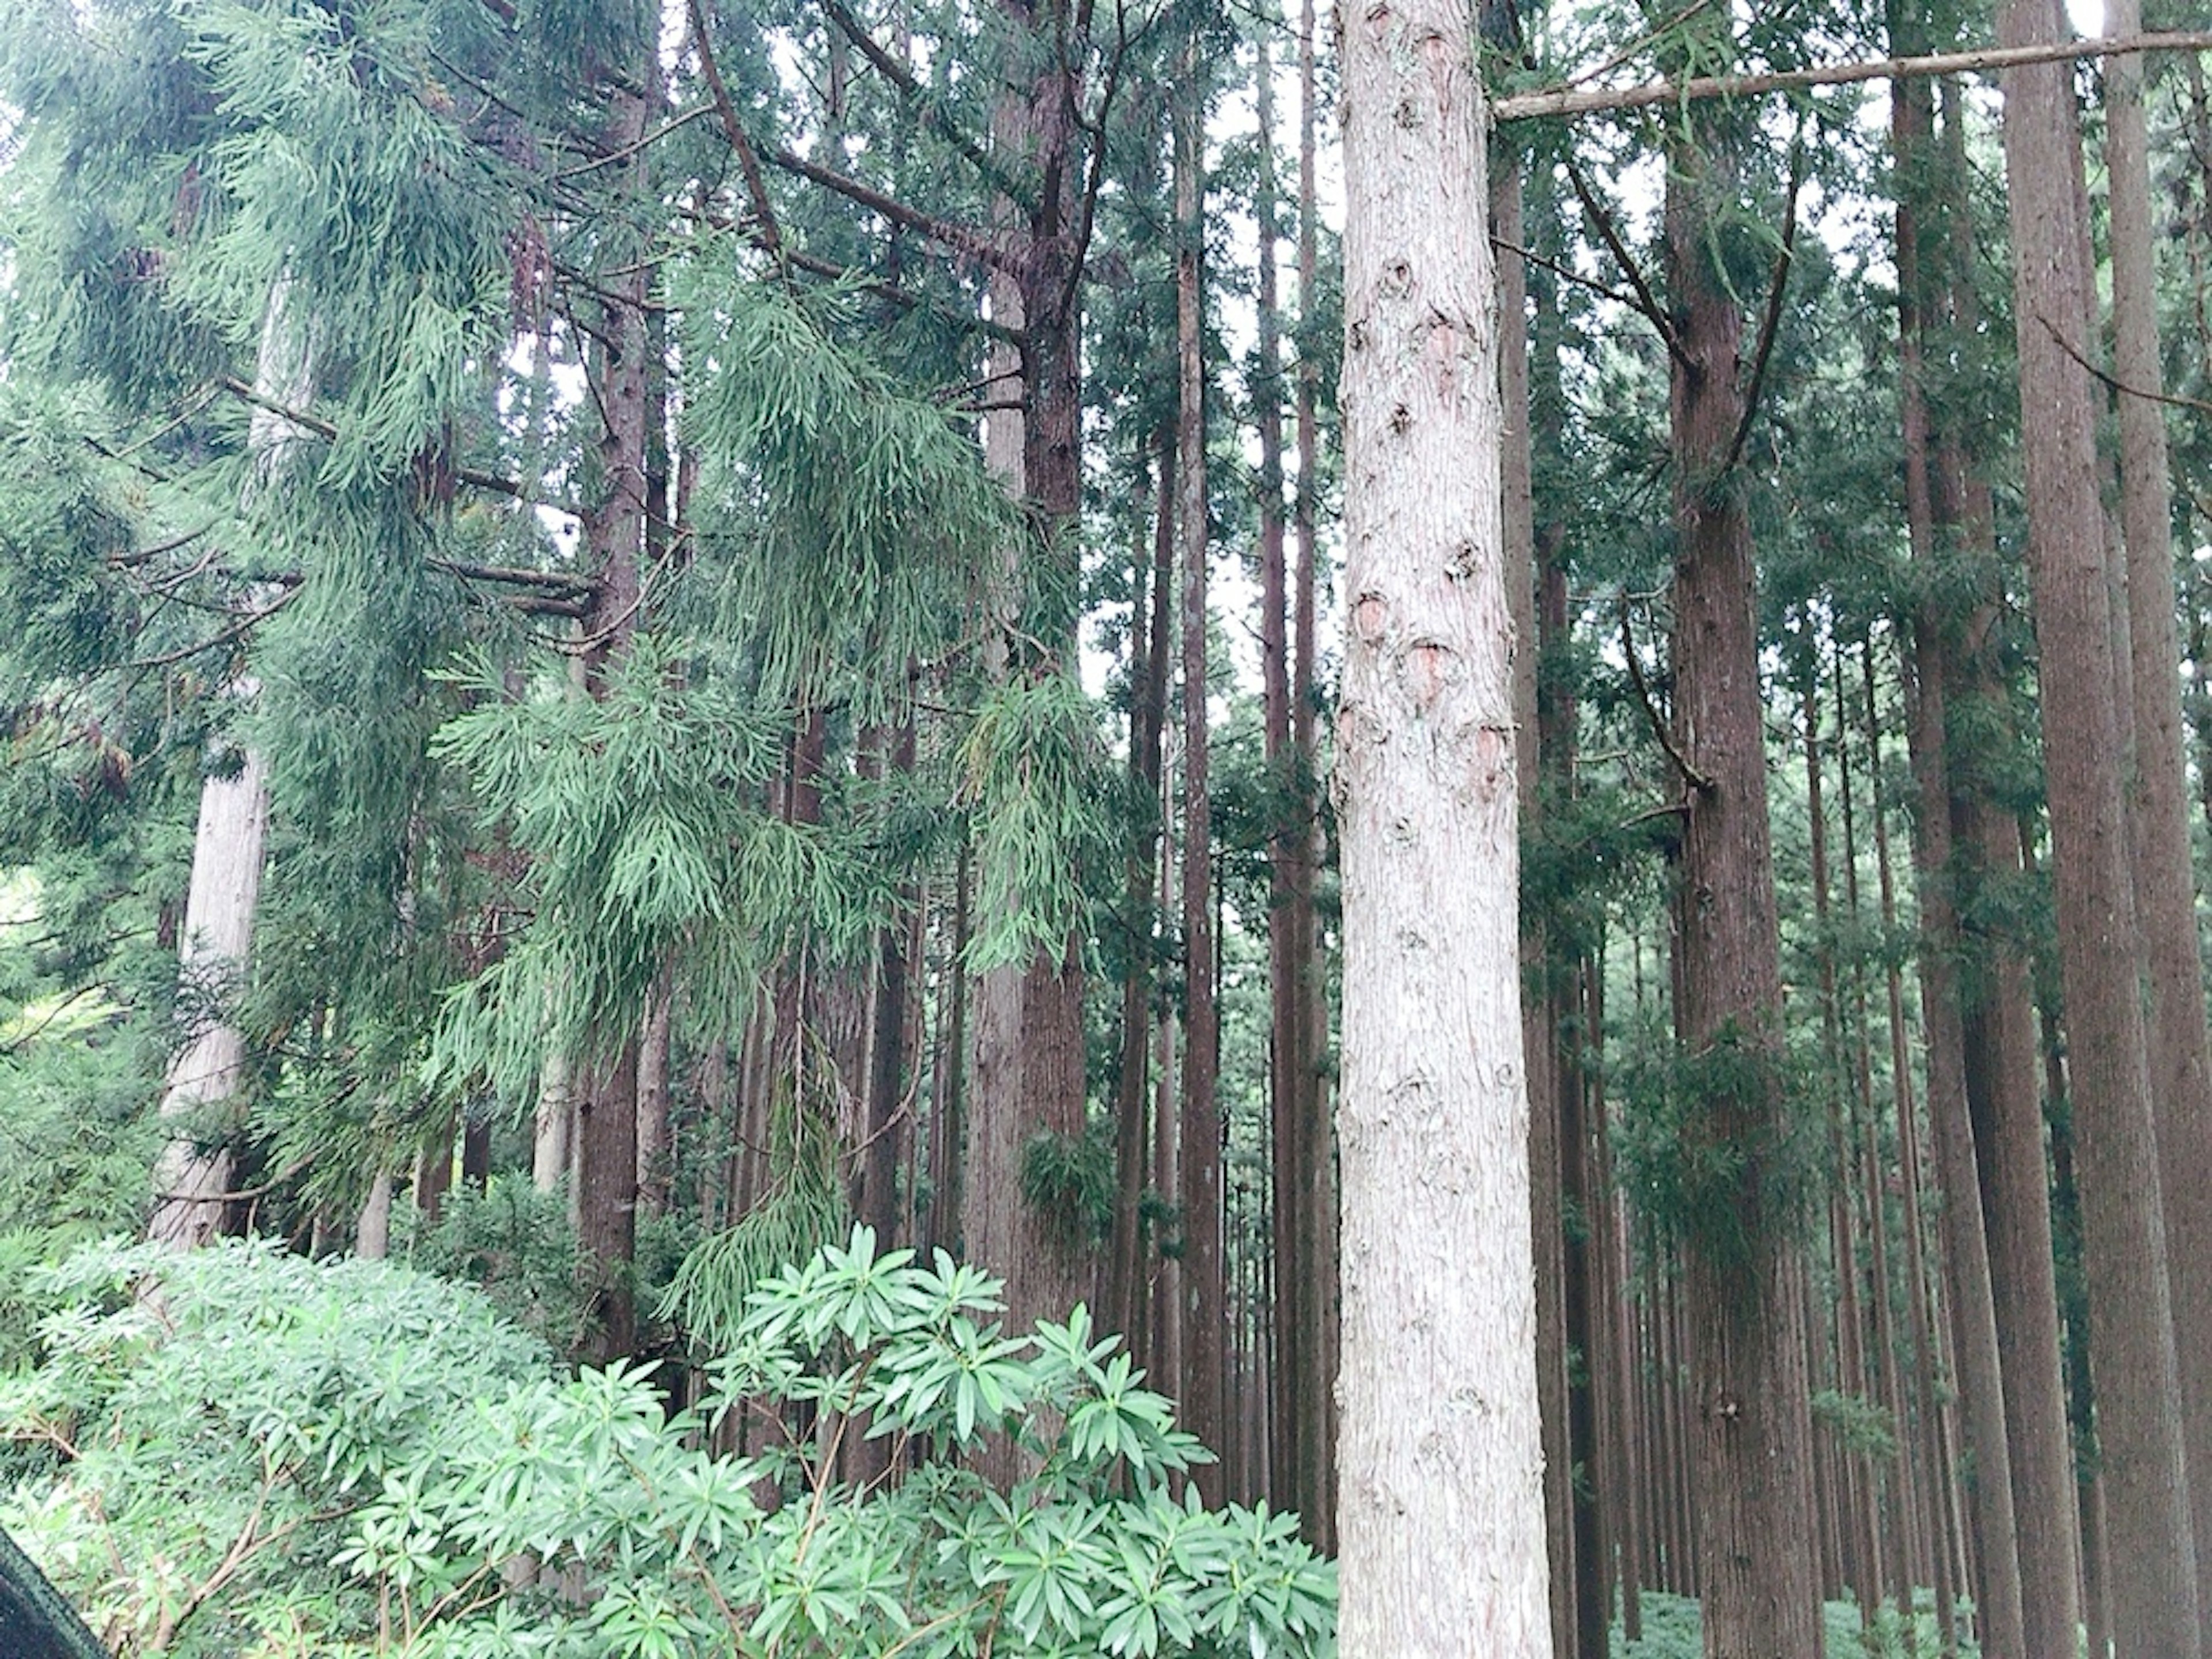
(262,1453)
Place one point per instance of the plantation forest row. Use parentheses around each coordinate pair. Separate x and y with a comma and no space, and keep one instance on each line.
(1107,826)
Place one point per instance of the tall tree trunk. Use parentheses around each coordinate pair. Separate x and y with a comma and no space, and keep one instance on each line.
(605,1079)
(1028,1025)
(1286,995)
(1310,1391)
(1753,1457)
(1202,1311)
(2123,1233)
(1441,1453)
(1148,640)
(1843,1229)
(2002,1054)
(1542,986)
(214,944)
(2165,898)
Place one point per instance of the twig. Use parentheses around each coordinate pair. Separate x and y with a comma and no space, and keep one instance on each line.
(1529,256)
(1697,779)
(1647,303)
(2172,399)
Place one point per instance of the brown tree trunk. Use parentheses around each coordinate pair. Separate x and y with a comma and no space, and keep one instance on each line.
(1148,640)
(1200,1195)
(2166,897)
(2002,1085)
(605,1079)
(1440,1452)
(1308,1391)
(2123,1236)
(1286,992)
(1757,1544)
(1028,1021)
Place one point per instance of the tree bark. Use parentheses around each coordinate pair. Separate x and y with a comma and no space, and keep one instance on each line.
(2165,880)
(1202,1307)
(1752,1459)
(1441,1512)
(2155,1591)
(606,1077)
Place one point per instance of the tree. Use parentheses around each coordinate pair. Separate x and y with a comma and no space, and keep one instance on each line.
(1440,1471)
(2154,1602)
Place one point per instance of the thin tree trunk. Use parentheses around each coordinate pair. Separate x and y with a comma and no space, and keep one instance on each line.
(2124,1234)
(1542,988)
(1202,1313)
(215,944)
(655,1167)
(1286,991)
(1313,1152)
(605,1079)
(1438,1314)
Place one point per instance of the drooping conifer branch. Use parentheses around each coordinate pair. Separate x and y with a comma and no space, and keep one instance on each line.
(1569,101)
(329,433)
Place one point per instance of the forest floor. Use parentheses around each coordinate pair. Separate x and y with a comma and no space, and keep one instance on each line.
(1671,1630)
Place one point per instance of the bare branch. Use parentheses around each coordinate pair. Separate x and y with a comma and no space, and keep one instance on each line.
(1568,101)
(1770,324)
(1697,779)
(1647,303)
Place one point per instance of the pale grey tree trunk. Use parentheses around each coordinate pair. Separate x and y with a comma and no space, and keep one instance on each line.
(194,1171)
(214,948)
(1440,1512)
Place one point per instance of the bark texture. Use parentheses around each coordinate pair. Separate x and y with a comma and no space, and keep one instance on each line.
(1440,1517)
(2153,1589)
(1751,1456)
(2166,897)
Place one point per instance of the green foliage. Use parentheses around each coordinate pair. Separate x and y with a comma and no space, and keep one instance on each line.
(675,1549)
(240,1450)
(711,1292)
(1070,1180)
(1672,1629)
(1860,1423)
(200,1429)
(1030,774)
(1716,1147)
(513,1243)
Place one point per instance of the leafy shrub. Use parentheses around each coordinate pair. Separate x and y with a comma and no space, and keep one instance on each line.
(200,1429)
(579,1519)
(243,1452)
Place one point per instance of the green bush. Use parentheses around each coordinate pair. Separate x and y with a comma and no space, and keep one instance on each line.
(242,1452)
(199,1430)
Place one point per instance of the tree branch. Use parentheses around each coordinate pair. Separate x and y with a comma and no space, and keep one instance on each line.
(1697,779)
(1647,304)
(771,238)
(962,239)
(329,433)
(1770,324)
(1568,101)
(2114,383)
(934,115)
(1529,256)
